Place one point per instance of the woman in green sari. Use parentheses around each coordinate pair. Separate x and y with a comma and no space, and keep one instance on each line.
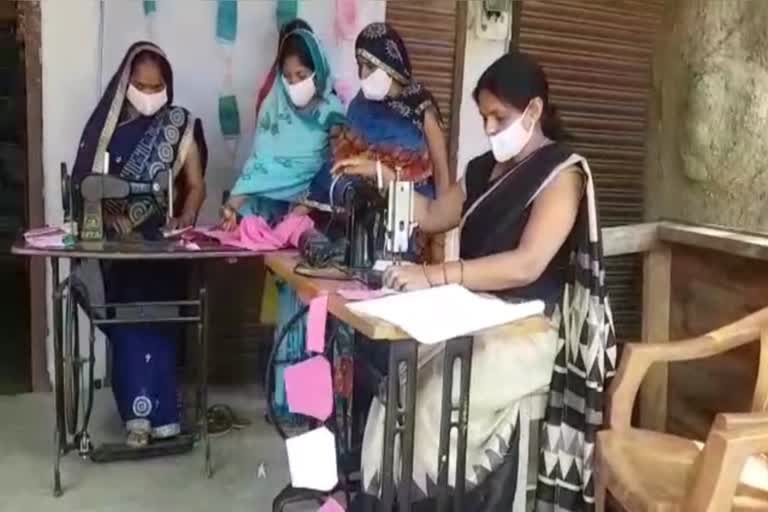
(291,144)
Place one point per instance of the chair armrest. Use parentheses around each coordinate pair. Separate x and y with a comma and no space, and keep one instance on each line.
(638,358)
(736,421)
(731,441)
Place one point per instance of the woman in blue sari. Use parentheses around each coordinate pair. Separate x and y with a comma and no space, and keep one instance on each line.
(394,119)
(140,133)
(291,144)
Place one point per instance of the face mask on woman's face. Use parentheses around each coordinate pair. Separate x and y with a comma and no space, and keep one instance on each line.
(376,85)
(146,104)
(301,93)
(509,142)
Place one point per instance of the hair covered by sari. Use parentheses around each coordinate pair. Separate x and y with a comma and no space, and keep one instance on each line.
(269,81)
(139,147)
(391,130)
(291,145)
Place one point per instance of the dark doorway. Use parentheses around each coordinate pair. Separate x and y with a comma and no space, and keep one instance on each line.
(14,273)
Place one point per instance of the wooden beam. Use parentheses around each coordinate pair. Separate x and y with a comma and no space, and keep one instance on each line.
(657,273)
(632,239)
(29,24)
(460,48)
(746,245)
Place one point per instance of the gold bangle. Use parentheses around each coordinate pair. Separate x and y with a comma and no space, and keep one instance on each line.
(461,267)
(426,275)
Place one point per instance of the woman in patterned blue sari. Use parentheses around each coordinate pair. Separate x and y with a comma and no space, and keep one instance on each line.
(140,133)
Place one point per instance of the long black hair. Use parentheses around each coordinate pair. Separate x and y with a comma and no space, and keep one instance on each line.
(516,78)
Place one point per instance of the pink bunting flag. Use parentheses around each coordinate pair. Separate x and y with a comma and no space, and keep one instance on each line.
(331,506)
(318,314)
(309,388)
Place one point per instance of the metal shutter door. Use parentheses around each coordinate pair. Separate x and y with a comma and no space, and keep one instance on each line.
(597,55)
(429,31)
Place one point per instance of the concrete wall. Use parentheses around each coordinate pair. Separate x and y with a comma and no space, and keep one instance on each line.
(478,55)
(708,156)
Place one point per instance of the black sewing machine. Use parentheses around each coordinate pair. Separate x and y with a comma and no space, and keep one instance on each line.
(83,202)
(366,226)
(354,237)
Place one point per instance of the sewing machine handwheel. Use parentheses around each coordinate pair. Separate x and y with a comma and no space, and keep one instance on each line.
(71,365)
(66,190)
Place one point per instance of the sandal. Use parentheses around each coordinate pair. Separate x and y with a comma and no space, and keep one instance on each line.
(222,420)
(137,439)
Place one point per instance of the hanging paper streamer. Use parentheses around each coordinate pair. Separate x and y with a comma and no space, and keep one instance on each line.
(346,20)
(229,113)
(150,7)
(345,90)
(229,116)
(150,13)
(287,10)
(226,21)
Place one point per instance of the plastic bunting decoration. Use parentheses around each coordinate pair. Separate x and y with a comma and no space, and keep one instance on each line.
(229,112)
(287,10)
(150,7)
(226,21)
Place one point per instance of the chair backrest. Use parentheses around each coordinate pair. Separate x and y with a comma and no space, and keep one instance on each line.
(760,396)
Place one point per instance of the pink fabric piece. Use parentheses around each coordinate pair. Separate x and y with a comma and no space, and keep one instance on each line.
(331,506)
(291,228)
(254,234)
(346,19)
(318,314)
(309,388)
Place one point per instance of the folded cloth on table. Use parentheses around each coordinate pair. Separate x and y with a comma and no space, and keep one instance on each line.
(49,238)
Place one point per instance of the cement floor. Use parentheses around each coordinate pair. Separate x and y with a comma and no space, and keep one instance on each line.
(162,485)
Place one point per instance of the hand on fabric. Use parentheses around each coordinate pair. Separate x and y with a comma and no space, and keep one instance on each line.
(409,277)
(228,218)
(355,166)
(182,221)
(121,224)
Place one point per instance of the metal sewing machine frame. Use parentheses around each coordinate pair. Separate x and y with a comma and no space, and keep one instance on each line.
(71,294)
(376,227)
(83,202)
(401,221)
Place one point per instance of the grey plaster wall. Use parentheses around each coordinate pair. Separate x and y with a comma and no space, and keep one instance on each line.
(708,129)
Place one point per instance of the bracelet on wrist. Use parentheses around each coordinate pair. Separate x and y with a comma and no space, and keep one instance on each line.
(426,275)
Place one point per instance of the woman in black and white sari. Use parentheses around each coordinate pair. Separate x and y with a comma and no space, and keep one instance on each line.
(529,230)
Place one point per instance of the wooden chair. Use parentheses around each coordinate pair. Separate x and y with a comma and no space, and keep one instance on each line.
(657,472)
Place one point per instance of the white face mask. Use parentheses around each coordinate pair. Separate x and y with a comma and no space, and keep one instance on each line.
(301,93)
(146,104)
(376,85)
(509,142)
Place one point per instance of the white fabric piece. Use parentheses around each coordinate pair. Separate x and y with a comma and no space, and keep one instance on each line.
(445,312)
(312,460)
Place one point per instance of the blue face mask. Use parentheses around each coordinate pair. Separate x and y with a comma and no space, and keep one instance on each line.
(229,116)
(226,21)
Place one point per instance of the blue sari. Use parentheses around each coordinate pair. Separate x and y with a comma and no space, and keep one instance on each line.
(144,355)
(289,148)
(390,130)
